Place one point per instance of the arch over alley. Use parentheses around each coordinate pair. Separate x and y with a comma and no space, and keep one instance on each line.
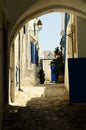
(39,8)
(32,9)
(14,14)
(15,19)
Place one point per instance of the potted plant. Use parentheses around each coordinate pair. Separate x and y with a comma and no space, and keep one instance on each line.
(41,76)
(59,63)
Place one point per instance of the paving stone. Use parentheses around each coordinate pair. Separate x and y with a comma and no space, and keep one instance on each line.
(51,111)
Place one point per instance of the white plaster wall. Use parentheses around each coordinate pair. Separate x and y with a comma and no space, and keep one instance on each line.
(81,36)
(47,70)
(68,52)
(12,75)
(48,56)
(31,28)
(80,45)
(68,45)
(16,60)
(28,70)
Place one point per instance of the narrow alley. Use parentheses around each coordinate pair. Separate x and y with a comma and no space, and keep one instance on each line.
(44,107)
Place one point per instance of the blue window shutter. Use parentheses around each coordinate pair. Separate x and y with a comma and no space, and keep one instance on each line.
(32,53)
(35,55)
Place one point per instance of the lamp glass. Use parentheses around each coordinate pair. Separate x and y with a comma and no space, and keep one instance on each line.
(39,24)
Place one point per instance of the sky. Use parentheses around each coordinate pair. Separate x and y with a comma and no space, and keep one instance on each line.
(49,36)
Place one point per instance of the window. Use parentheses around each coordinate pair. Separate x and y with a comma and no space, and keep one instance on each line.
(34,54)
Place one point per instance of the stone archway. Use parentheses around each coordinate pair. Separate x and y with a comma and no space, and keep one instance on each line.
(17,13)
(35,8)
(26,11)
(39,8)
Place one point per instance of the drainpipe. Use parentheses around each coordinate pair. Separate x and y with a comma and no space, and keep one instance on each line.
(72,46)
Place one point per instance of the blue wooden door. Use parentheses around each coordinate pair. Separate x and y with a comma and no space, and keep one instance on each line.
(53,74)
(77,80)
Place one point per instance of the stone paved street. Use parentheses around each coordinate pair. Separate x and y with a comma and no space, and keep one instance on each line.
(44,107)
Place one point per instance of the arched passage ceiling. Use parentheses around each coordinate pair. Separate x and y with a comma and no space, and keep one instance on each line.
(17,12)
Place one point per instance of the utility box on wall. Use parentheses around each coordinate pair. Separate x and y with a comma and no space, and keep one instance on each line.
(77,80)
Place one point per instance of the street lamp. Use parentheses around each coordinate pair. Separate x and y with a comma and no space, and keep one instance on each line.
(39,25)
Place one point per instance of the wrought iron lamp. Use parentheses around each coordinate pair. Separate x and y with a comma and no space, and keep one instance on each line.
(39,25)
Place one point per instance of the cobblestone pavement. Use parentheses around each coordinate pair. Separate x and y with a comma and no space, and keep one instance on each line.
(44,107)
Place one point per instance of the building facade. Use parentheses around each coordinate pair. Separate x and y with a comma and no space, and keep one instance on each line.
(71,47)
(46,61)
(24,59)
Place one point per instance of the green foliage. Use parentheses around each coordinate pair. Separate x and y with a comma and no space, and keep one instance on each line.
(56,51)
(60,64)
(59,61)
(41,76)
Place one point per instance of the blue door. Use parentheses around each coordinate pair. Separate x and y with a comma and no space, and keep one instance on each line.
(77,80)
(53,74)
